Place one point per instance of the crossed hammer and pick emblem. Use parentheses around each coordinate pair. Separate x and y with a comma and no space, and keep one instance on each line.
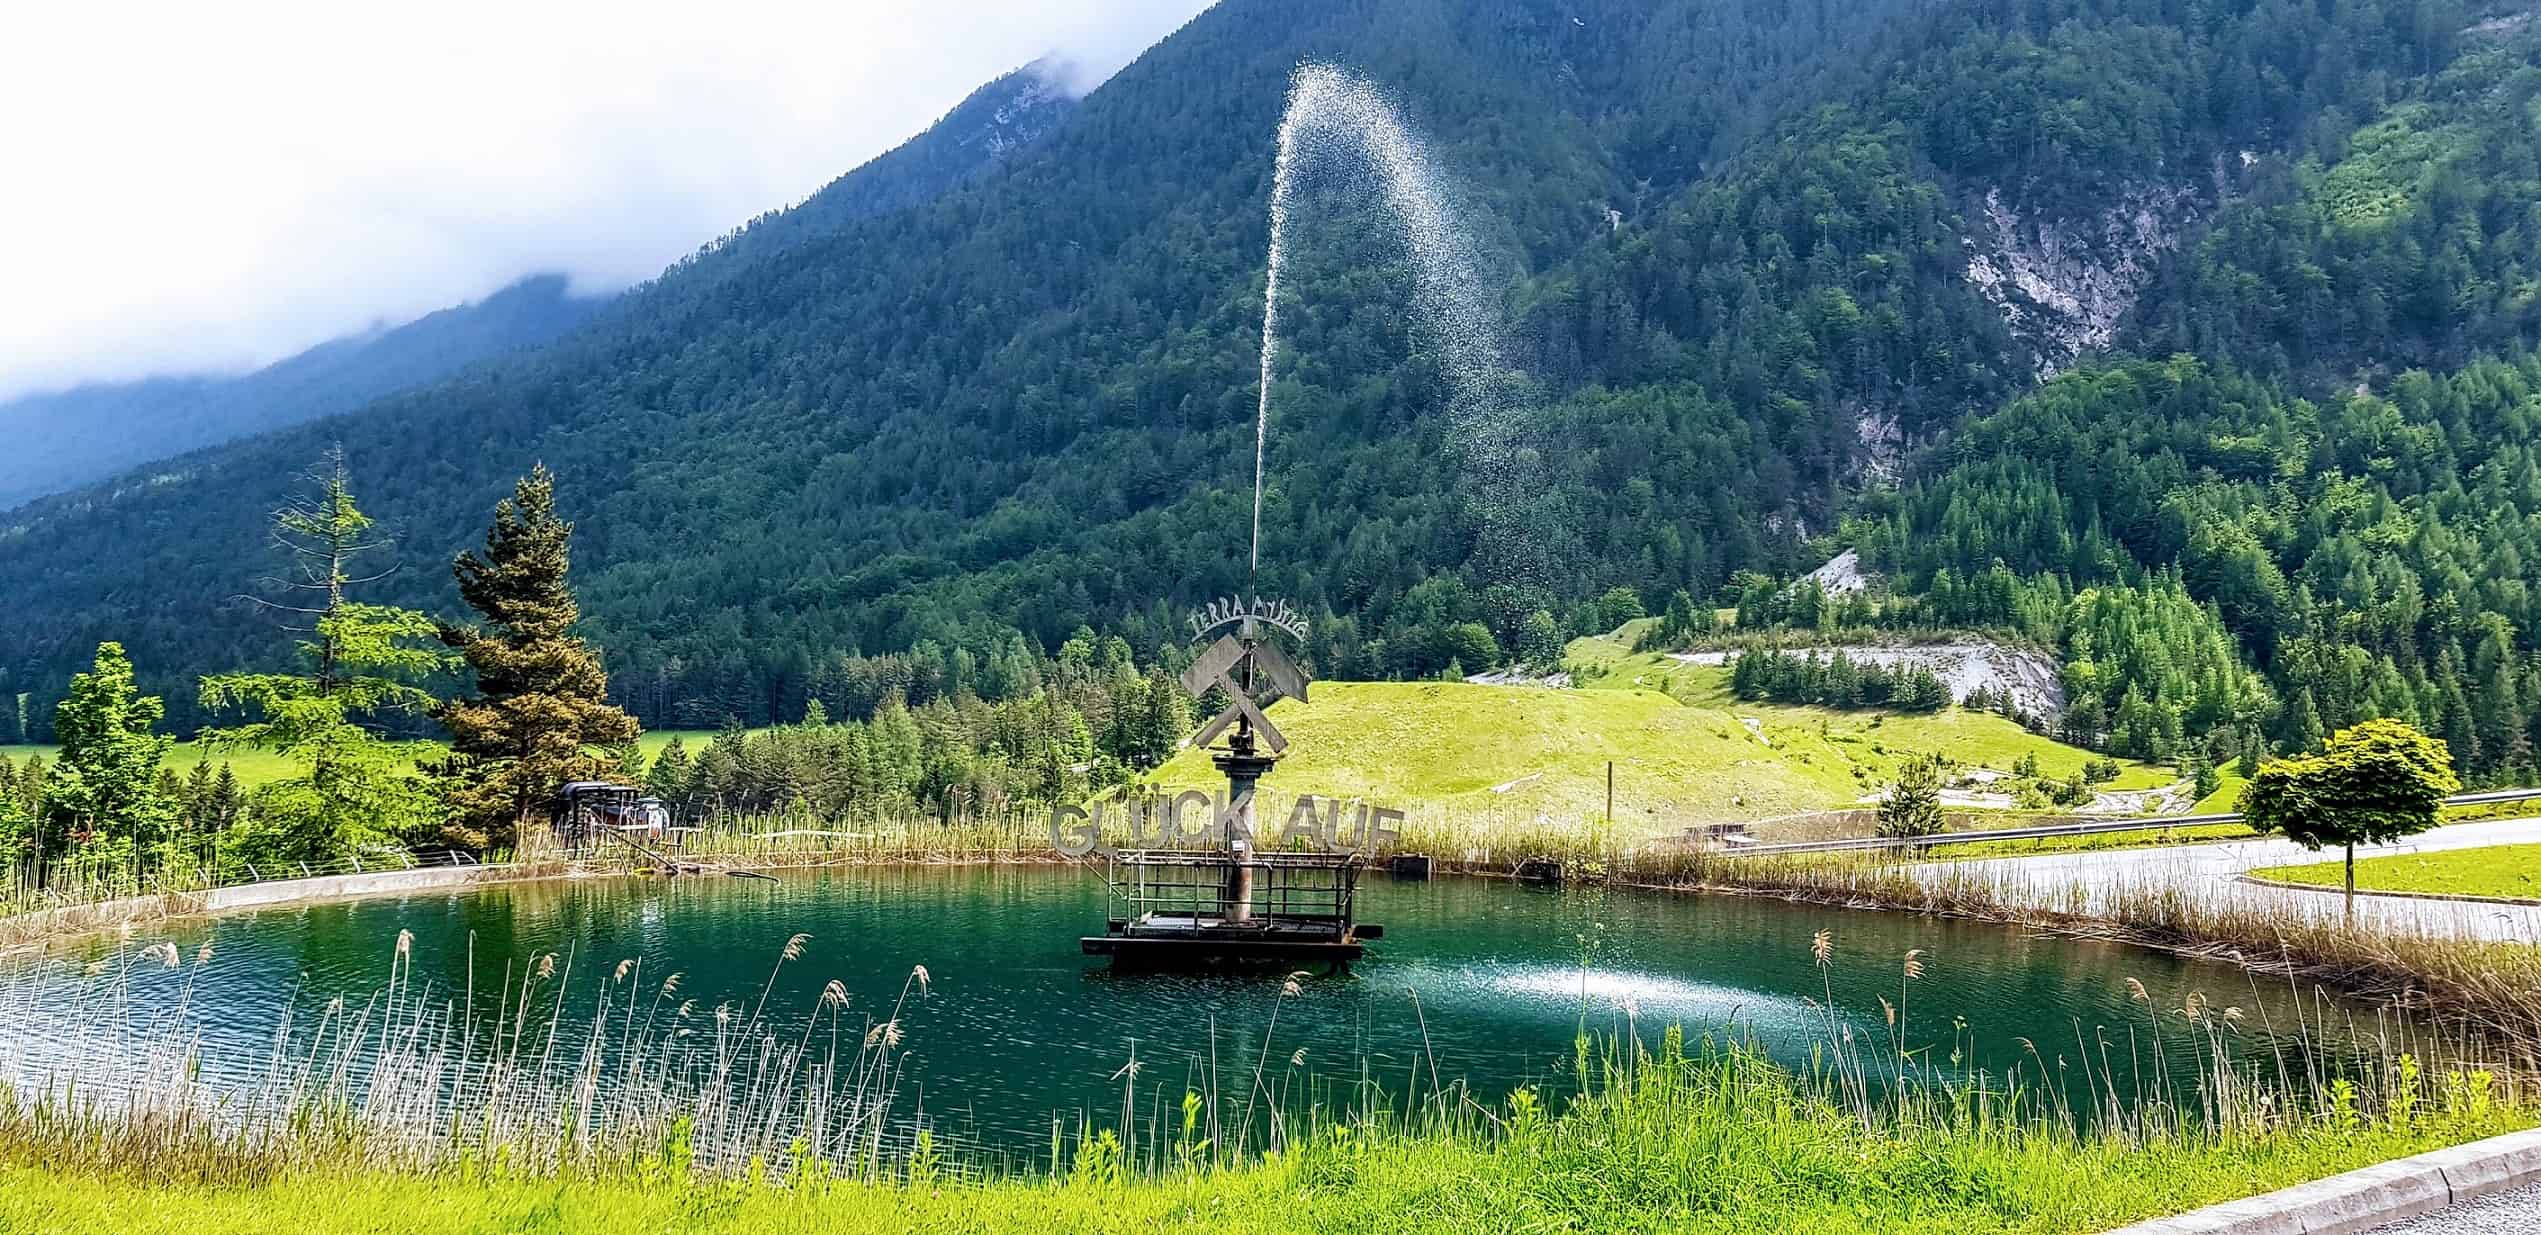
(1271,678)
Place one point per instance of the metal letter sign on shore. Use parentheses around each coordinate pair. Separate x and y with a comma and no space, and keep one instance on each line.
(1254,674)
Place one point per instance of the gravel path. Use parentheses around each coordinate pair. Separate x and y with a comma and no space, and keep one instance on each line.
(2213,872)
(2506,1213)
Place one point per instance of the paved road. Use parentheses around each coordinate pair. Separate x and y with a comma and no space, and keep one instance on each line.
(2212,871)
(2507,1213)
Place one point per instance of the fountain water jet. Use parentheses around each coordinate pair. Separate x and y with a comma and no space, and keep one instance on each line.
(1333,112)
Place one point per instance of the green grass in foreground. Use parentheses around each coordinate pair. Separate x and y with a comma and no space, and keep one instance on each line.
(1697,1147)
(2498,870)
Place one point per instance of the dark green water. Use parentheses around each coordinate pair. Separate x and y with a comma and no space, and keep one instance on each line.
(1019,1026)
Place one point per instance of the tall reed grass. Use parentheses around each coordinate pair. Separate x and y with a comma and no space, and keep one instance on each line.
(412,1077)
(111,1067)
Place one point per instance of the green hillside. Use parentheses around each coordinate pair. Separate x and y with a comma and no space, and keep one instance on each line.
(1513,754)
(1771,277)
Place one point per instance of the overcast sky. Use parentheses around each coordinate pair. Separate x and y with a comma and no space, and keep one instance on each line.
(213,187)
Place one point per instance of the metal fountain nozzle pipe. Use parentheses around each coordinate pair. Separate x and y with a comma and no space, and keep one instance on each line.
(1239,879)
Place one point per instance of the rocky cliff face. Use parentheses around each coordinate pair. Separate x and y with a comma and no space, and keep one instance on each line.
(2063,283)
(1011,113)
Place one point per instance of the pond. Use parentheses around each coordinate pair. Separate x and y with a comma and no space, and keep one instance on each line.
(1483,981)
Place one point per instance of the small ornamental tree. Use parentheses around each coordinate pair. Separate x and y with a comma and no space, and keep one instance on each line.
(2377,782)
(1912,806)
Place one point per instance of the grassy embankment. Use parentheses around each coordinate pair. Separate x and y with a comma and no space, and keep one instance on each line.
(1491,758)
(2508,871)
(1974,739)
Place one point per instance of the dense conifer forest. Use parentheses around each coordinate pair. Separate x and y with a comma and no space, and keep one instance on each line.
(2185,337)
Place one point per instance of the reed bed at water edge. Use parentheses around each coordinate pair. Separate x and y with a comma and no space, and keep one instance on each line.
(113,1071)
(412,1077)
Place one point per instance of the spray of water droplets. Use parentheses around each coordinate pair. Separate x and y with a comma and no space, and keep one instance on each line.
(1338,123)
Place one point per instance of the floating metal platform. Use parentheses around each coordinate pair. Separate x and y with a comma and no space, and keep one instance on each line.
(1212,908)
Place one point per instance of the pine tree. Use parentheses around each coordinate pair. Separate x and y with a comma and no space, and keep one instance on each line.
(1167,718)
(1912,805)
(668,778)
(541,714)
(197,834)
(228,801)
(2253,749)
(17,813)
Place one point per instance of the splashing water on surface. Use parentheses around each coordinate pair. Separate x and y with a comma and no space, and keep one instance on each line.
(1332,114)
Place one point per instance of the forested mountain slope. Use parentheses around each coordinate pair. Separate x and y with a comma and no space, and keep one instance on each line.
(1761,258)
(65,439)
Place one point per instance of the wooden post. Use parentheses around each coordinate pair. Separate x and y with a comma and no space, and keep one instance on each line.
(1610,793)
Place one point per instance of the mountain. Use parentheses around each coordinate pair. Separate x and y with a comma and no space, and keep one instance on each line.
(73,437)
(2089,287)
(65,439)
(996,122)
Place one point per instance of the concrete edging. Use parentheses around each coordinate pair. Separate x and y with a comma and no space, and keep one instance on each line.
(113,914)
(2375,1196)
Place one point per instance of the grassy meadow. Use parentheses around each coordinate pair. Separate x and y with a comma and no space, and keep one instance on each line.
(1981,739)
(1683,751)
(2509,871)
(252,767)
(259,767)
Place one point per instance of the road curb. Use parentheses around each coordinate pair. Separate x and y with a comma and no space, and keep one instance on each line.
(2362,1200)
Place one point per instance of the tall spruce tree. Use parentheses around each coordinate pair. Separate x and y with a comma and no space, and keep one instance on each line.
(541,717)
(360,663)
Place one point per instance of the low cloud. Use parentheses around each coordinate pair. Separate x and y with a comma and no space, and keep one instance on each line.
(212,188)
